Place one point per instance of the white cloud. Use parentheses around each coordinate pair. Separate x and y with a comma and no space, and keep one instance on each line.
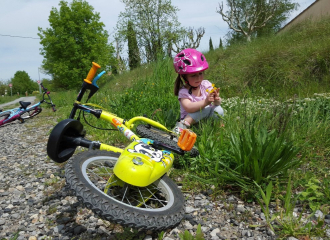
(23,17)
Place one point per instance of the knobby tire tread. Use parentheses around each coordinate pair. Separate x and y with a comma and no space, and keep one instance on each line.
(145,132)
(113,211)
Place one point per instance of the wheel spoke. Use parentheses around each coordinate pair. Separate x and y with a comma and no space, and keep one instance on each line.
(151,197)
(102,167)
(124,194)
(160,201)
(93,173)
(144,203)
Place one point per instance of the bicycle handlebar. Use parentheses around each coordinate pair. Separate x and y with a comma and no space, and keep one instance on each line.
(43,88)
(92,72)
(88,84)
(43,97)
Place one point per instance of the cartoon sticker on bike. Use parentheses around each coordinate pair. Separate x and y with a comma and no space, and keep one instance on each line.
(154,154)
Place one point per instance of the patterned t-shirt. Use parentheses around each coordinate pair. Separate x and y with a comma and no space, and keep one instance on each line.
(184,93)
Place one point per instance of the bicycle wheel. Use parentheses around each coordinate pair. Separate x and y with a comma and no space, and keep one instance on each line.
(155,207)
(31,113)
(161,136)
(4,115)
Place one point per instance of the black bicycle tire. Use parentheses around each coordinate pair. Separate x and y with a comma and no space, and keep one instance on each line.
(35,113)
(159,135)
(113,210)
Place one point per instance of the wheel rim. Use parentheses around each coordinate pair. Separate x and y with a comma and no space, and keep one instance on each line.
(98,171)
(26,114)
(30,113)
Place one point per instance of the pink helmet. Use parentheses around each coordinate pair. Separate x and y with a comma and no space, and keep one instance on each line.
(189,61)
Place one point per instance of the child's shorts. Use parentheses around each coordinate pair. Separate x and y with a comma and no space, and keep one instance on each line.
(207,112)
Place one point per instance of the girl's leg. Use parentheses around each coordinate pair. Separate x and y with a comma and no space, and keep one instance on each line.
(188,121)
(207,112)
(197,116)
(183,124)
(218,110)
(191,118)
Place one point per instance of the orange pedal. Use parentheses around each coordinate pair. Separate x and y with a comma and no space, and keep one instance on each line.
(187,140)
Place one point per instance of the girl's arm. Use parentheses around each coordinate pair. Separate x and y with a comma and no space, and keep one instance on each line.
(192,107)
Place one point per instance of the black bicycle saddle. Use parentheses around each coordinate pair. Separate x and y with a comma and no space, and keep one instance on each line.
(24,104)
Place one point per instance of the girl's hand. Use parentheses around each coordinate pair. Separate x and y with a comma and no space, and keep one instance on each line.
(217,99)
(209,99)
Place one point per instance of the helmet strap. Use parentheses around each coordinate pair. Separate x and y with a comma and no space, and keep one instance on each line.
(191,87)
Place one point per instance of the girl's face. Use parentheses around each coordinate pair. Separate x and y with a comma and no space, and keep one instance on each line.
(195,79)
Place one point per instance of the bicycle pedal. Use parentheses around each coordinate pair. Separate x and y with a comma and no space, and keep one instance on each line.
(187,140)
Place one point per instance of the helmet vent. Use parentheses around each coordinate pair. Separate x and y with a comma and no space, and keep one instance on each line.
(202,57)
(186,61)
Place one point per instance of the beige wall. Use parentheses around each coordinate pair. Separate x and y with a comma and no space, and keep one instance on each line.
(316,10)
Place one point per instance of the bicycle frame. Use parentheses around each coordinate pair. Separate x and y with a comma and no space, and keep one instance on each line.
(153,157)
(123,126)
(16,113)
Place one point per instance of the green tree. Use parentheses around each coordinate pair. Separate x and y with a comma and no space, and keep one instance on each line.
(3,87)
(220,44)
(186,38)
(153,21)
(211,45)
(233,37)
(74,40)
(23,83)
(156,26)
(275,23)
(133,50)
(247,17)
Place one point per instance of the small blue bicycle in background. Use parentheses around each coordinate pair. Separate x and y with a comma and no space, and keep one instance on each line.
(24,111)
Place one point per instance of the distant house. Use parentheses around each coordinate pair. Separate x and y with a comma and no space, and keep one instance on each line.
(316,10)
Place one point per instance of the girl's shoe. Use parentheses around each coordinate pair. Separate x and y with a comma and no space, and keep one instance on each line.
(179,126)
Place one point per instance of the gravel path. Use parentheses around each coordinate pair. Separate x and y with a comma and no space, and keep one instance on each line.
(34,202)
(24,99)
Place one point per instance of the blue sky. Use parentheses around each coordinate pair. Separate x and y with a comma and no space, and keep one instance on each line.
(23,17)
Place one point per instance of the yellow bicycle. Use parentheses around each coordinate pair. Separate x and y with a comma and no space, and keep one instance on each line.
(127,186)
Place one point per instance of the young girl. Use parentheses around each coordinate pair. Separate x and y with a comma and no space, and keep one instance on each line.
(190,87)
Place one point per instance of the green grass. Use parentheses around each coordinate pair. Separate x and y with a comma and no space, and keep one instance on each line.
(7,98)
(295,62)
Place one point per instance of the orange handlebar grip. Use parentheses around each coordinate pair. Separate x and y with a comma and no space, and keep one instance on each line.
(92,72)
(187,140)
